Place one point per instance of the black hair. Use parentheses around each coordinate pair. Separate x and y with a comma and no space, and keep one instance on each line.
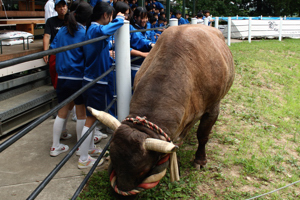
(162,13)
(206,11)
(160,18)
(133,6)
(199,15)
(149,7)
(99,10)
(122,7)
(155,14)
(138,12)
(152,19)
(177,12)
(83,13)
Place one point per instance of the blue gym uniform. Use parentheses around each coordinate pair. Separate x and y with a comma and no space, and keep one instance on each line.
(97,61)
(69,64)
(181,21)
(139,42)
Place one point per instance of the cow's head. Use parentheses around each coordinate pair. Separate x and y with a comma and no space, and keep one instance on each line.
(134,156)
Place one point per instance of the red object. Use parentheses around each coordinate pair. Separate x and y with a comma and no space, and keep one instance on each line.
(52,70)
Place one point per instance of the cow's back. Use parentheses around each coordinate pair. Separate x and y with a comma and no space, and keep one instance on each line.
(189,70)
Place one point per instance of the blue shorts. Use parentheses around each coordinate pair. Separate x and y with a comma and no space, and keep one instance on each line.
(95,96)
(66,87)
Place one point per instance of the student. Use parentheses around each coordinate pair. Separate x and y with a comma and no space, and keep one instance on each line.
(133,2)
(200,18)
(138,40)
(70,67)
(187,18)
(180,19)
(97,61)
(52,26)
(207,15)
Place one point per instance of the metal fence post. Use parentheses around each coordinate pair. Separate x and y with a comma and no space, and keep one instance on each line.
(173,22)
(229,31)
(123,70)
(249,29)
(206,21)
(280,29)
(193,21)
(217,22)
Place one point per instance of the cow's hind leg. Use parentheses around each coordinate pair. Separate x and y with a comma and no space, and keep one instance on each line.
(206,123)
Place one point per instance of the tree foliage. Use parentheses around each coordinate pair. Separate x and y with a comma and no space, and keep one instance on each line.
(244,7)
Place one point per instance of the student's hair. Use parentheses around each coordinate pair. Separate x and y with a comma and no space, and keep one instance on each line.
(206,11)
(149,7)
(138,12)
(99,10)
(177,12)
(122,7)
(152,19)
(199,15)
(155,14)
(160,18)
(133,6)
(81,13)
(162,13)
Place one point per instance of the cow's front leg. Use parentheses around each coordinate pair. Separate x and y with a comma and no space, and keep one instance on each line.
(206,123)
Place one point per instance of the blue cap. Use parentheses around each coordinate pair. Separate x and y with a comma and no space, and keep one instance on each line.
(58,1)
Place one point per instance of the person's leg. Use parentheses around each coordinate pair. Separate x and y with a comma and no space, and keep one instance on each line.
(58,148)
(81,119)
(85,146)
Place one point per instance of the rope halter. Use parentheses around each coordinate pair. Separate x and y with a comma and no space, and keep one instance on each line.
(159,171)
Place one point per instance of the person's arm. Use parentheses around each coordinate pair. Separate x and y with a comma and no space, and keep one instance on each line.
(138,53)
(46,41)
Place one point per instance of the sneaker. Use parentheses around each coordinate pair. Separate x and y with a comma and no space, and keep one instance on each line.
(97,139)
(65,135)
(88,163)
(74,118)
(56,151)
(94,152)
(99,133)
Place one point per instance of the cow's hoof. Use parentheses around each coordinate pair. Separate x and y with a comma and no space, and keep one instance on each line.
(199,164)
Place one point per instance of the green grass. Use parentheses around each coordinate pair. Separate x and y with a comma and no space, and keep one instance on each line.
(254,147)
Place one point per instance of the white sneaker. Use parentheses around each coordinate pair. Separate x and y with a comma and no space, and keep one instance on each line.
(56,151)
(95,152)
(99,133)
(88,163)
(65,135)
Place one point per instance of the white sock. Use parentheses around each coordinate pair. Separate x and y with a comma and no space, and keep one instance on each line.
(57,129)
(65,123)
(92,141)
(84,148)
(79,126)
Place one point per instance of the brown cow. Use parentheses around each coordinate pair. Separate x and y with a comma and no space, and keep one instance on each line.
(182,81)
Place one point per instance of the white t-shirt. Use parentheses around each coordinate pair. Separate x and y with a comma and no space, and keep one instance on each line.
(49,10)
(200,21)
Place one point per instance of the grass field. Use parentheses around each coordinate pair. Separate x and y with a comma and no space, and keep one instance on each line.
(254,146)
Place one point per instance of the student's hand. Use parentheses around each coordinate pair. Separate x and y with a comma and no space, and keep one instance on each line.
(152,45)
(120,14)
(112,54)
(46,59)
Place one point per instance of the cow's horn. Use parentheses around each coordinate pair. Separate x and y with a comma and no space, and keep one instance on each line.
(105,118)
(160,145)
